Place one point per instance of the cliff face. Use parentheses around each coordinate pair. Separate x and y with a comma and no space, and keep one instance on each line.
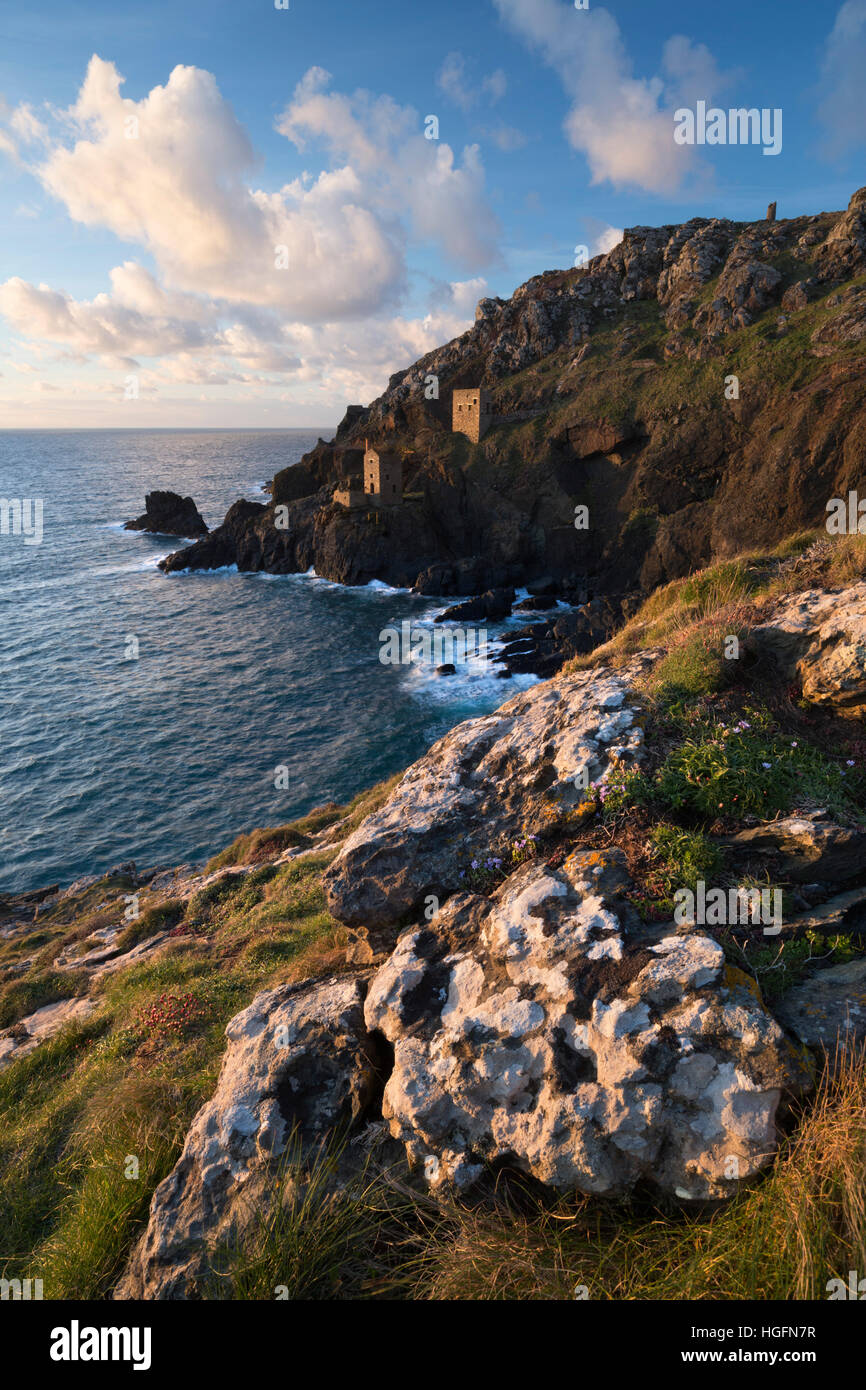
(698,389)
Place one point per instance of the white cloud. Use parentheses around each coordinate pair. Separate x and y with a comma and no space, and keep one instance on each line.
(8,146)
(842,110)
(507,138)
(495,86)
(104,327)
(453,80)
(27,125)
(692,74)
(618,121)
(139,320)
(404,173)
(172,172)
(606,240)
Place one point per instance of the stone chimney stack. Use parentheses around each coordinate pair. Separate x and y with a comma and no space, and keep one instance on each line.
(771,213)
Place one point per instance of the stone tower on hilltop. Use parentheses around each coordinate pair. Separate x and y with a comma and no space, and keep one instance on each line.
(471,412)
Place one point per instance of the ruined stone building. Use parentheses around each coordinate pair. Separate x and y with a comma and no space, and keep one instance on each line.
(383,476)
(381,484)
(471,412)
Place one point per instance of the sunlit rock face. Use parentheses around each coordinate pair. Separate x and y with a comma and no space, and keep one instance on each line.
(548,1029)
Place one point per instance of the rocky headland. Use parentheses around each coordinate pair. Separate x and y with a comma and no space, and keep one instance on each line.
(697,390)
(588,980)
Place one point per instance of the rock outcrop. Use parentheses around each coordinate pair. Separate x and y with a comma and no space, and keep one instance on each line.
(28,1033)
(300,1065)
(169,514)
(819,639)
(487,783)
(545,1028)
(828,1011)
(806,847)
(687,474)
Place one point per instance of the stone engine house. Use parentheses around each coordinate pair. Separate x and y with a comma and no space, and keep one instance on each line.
(383,476)
(471,412)
(381,484)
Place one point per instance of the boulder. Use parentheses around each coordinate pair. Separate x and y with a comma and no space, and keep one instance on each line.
(546,1029)
(299,1063)
(818,637)
(169,514)
(491,607)
(828,1011)
(541,603)
(488,781)
(796,297)
(810,847)
(745,289)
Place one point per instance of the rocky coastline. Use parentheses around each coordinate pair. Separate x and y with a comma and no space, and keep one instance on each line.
(737,348)
(509,988)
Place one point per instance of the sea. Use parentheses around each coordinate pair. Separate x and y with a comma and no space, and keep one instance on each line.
(154,717)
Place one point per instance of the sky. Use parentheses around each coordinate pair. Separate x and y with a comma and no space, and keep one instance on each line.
(231,213)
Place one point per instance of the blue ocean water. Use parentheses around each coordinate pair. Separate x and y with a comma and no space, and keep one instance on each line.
(166,757)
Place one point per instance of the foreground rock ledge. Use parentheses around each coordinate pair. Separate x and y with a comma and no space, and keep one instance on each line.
(298,1058)
(547,1028)
(488,781)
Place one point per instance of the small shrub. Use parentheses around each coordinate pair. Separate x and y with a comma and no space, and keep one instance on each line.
(213,894)
(692,669)
(156,919)
(622,788)
(748,768)
(779,966)
(684,857)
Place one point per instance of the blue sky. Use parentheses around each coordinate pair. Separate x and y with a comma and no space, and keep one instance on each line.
(142,221)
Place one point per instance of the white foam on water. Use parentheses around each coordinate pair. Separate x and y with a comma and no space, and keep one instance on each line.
(218,570)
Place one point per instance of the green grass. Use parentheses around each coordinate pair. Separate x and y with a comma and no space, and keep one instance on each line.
(86,1101)
(22,997)
(783,1237)
(325,1235)
(684,857)
(751,768)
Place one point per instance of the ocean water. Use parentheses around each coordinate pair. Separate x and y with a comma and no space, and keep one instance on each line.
(166,755)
